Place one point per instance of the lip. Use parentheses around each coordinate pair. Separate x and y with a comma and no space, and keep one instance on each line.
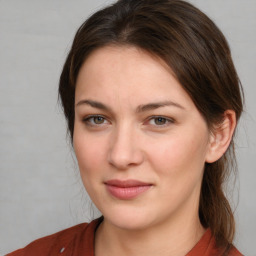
(126,189)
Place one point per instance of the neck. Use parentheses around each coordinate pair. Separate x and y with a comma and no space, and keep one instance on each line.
(169,238)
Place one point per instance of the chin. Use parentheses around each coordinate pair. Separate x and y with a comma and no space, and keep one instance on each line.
(130,223)
(129,219)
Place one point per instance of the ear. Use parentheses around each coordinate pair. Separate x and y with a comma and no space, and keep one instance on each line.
(221,136)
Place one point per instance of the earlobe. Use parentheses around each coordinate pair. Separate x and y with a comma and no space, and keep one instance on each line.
(221,137)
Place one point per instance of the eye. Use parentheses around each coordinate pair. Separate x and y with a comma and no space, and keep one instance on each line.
(95,120)
(160,121)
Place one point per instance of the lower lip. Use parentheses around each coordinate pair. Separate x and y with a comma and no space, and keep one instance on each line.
(127,192)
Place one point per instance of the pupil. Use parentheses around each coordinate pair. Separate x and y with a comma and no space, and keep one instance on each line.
(160,120)
(98,120)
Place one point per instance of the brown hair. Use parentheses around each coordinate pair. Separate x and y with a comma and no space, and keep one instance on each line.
(198,54)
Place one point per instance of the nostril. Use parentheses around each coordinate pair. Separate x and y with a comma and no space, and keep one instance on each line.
(124,160)
(124,150)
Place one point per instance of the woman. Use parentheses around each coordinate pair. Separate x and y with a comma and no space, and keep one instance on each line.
(152,100)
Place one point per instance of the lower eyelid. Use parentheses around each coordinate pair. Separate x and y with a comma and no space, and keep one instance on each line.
(168,120)
(87,119)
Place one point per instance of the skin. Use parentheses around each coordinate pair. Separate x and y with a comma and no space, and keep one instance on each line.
(129,142)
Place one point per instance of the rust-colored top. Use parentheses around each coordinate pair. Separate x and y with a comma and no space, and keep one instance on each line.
(79,240)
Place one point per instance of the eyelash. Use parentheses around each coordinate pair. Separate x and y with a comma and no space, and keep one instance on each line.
(89,123)
(89,120)
(167,120)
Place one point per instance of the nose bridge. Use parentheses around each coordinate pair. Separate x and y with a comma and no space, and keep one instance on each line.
(125,149)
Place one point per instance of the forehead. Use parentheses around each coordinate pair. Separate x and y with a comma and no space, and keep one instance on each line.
(123,58)
(128,73)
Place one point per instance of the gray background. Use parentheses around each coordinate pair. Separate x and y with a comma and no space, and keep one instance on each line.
(40,189)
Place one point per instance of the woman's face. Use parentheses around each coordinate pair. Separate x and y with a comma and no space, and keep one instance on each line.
(140,142)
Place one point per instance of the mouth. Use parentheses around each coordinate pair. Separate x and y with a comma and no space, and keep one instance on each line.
(126,189)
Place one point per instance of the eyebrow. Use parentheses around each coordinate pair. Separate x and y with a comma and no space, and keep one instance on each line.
(155,105)
(94,104)
(139,109)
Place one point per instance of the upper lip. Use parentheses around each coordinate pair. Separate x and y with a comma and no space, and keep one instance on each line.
(126,183)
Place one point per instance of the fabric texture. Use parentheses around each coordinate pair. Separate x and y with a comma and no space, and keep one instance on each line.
(79,240)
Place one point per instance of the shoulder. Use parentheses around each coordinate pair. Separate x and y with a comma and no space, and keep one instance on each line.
(207,247)
(52,243)
(234,252)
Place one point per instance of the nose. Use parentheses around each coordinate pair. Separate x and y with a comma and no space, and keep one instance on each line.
(125,150)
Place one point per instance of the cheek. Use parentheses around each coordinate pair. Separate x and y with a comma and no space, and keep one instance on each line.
(88,155)
(179,157)
(179,164)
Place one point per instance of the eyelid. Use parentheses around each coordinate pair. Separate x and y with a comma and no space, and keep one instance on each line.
(168,119)
(87,118)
